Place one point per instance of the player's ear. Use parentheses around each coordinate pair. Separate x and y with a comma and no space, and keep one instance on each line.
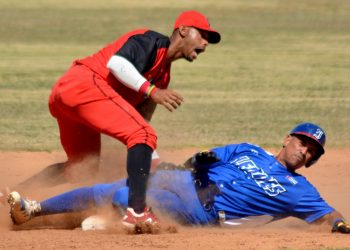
(286,140)
(183,30)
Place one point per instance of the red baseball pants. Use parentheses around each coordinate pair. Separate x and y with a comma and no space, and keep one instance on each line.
(85,106)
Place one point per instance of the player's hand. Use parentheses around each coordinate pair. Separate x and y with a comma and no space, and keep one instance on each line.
(168,98)
(341,226)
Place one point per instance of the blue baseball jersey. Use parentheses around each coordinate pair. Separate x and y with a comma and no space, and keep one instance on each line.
(252,183)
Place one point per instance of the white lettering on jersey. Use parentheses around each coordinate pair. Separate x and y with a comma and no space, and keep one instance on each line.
(269,184)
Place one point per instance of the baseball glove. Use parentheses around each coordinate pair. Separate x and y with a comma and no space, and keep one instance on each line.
(205,157)
(194,163)
(200,160)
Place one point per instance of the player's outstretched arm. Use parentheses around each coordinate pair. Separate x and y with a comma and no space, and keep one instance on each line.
(336,221)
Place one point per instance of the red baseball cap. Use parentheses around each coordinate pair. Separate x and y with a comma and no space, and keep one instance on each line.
(195,19)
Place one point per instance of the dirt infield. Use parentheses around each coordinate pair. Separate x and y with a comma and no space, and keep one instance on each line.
(330,176)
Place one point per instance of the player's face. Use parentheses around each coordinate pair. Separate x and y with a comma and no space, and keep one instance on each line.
(195,42)
(298,150)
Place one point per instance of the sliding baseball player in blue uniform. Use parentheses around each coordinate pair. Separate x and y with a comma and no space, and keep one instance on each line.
(221,186)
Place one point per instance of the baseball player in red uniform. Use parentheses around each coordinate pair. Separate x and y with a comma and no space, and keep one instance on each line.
(115,92)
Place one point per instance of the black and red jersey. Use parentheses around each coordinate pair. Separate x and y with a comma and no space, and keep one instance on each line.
(145,49)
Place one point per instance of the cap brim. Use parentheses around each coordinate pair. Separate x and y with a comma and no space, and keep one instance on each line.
(214,37)
(313,138)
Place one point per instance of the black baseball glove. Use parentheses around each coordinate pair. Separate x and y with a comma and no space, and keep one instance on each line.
(200,160)
(205,157)
(341,226)
(195,163)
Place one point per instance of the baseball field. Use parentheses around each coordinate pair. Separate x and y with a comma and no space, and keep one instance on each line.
(279,63)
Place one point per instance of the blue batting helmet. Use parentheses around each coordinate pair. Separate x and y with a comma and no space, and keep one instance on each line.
(314,132)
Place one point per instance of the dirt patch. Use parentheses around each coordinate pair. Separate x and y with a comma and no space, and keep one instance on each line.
(330,176)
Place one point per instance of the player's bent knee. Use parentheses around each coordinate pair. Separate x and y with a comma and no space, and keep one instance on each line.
(146,135)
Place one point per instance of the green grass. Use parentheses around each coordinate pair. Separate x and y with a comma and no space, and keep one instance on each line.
(279,63)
